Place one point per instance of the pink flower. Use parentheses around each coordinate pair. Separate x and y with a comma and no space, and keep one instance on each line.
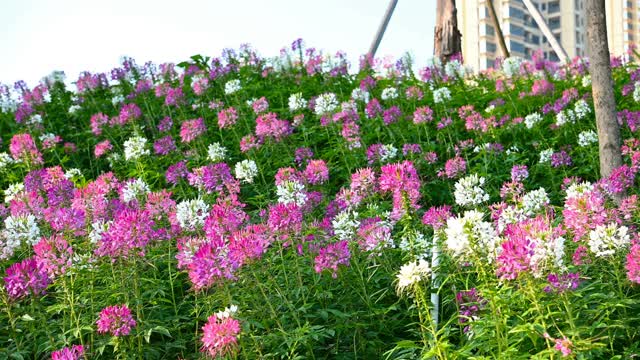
(564,346)
(373,234)
(437,216)
(97,121)
(260,106)
(316,172)
(53,255)
(227,118)
(102,147)
(116,320)
(76,352)
(633,264)
(191,129)
(331,256)
(455,167)
(23,149)
(164,146)
(25,278)
(249,142)
(268,125)
(211,264)
(401,179)
(220,335)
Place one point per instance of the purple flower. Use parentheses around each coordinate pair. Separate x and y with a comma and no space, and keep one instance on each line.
(116,320)
(28,277)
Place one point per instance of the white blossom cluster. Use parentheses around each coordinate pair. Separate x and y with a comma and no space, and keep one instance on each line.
(97,228)
(227,312)
(134,189)
(586,80)
(441,95)
(411,273)
(581,109)
(216,152)
(468,191)
(291,192)
(360,95)
(73,173)
(587,138)
(74,108)
(326,103)
(417,243)
(636,92)
(389,93)
(535,201)
(345,224)
(454,69)
(545,156)
(576,190)
(135,148)
(246,171)
(606,239)
(388,153)
(532,119)
(566,116)
(5,160)
(470,234)
(510,215)
(191,213)
(21,228)
(548,253)
(34,119)
(297,102)
(12,191)
(232,86)
(511,66)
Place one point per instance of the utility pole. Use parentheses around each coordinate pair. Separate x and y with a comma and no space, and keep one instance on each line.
(546,31)
(381,29)
(496,25)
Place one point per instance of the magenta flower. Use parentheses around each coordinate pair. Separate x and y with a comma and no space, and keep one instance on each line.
(128,113)
(76,352)
(53,255)
(176,172)
(191,129)
(633,264)
(519,173)
(97,121)
(268,125)
(401,179)
(249,142)
(25,278)
(436,217)
(331,256)
(102,148)
(316,172)
(564,346)
(422,115)
(23,149)
(227,118)
(260,106)
(116,320)
(164,146)
(211,264)
(455,167)
(220,335)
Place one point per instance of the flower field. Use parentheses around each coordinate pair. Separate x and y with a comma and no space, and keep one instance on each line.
(296,208)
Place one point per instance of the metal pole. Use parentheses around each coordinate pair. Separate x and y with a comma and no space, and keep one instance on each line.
(496,25)
(382,28)
(546,31)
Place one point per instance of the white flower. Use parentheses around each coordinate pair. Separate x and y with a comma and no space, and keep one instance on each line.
(74,108)
(12,191)
(532,119)
(73,173)
(360,95)
(47,137)
(216,152)
(232,86)
(587,138)
(389,93)
(297,102)
(326,103)
(581,109)
(34,119)
(117,99)
(97,228)
(468,191)
(191,213)
(227,312)
(412,273)
(567,116)
(21,228)
(510,215)
(388,152)
(576,190)
(7,247)
(586,81)
(349,106)
(441,95)
(534,201)
(291,192)
(469,233)
(133,189)
(5,160)
(606,239)
(511,66)
(246,170)
(345,224)
(135,148)
(417,243)
(545,156)
(636,92)
(454,69)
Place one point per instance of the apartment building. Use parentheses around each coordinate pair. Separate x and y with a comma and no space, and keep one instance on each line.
(566,19)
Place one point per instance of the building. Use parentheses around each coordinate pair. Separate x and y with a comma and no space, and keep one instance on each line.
(566,19)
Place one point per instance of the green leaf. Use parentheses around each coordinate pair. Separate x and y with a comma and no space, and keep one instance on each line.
(27,317)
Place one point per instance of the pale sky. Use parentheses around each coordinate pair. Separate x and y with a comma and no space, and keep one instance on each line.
(40,36)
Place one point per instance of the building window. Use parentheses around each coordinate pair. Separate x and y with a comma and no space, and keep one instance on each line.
(516,46)
(490,30)
(554,23)
(554,6)
(516,30)
(535,39)
(491,47)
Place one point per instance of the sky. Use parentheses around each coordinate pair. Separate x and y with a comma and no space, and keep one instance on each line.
(76,35)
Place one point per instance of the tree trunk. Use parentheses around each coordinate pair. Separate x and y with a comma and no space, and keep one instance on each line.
(498,29)
(447,37)
(602,87)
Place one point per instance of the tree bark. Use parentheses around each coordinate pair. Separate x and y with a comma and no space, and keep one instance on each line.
(447,37)
(602,88)
(498,29)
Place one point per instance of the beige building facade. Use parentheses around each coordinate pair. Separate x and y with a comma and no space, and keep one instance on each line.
(565,18)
